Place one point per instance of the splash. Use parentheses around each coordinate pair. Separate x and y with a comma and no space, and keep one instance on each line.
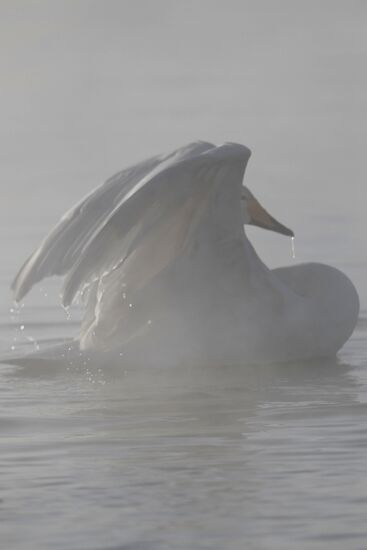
(14,319)
(34,342)
(20,329)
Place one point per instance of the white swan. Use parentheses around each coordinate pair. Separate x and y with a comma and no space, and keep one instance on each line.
(159,256)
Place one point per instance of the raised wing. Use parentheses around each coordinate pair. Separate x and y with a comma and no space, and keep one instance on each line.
(83,230)
(181,226)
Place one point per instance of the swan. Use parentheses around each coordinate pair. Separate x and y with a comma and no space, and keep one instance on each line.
(159,257)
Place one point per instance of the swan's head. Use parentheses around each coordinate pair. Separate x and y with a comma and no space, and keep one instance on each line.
(255,214)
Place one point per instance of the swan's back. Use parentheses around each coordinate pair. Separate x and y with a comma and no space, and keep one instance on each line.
(330,300)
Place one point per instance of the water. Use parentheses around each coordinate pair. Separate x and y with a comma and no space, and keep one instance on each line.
(293,248)
(259,457)
(265,458)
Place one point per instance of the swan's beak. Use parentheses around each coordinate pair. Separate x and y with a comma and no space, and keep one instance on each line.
(260,217)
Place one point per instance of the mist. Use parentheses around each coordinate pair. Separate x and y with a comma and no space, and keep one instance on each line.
(202,456)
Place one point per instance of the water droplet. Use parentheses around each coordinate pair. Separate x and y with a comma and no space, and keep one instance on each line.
(130,305)
(293,248)
(149,321)
(12,348)
(124,295)
(15,310)
(22,327)
(67,311)
(34,342)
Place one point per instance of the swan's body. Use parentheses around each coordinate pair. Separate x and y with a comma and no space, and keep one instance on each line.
(160,257)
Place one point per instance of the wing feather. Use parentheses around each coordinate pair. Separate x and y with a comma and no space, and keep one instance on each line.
(79,229)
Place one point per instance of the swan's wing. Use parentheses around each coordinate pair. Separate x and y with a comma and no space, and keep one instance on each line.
(66,244)
(111,312)
(62,246)
(173,215)
(166,197)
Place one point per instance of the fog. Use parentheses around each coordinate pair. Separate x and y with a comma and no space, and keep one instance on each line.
(216,457)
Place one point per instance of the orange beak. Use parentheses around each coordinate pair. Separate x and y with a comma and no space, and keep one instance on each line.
(260,217)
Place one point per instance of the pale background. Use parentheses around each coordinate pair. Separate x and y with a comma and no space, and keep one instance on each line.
(87,87)
(263,458)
